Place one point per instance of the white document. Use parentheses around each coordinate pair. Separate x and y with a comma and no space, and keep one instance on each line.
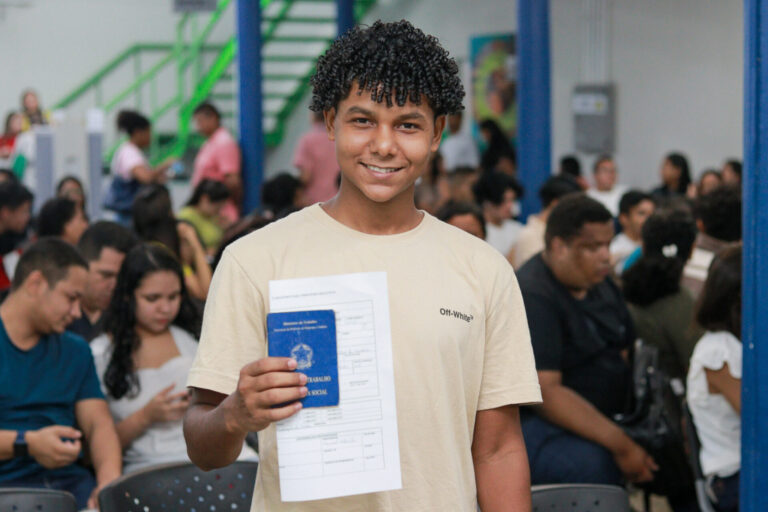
(328,452)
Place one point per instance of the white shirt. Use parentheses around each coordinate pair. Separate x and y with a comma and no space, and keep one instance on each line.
(716,421)
(127,157)
(622,248)
(459,150)
(503,237)
(610,198)
(161,442)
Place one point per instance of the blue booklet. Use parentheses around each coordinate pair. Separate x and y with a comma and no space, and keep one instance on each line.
(310,338)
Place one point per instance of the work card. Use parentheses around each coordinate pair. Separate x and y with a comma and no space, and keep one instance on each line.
(310,338)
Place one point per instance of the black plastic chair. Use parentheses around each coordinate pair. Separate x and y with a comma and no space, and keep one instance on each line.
(579,498)
(23,499)
(182,486)
(694,447)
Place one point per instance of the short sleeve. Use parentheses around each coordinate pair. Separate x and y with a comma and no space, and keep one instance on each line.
(546,331)
(128,159)
(90,386)
(233,332)
(509,369)
(716,349)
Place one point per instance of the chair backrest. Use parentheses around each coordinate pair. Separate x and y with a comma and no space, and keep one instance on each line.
(182,486)
(694,448)
(579,497)
(13,499)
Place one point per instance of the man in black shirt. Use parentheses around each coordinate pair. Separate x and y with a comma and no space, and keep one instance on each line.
(580,331)
(104,246)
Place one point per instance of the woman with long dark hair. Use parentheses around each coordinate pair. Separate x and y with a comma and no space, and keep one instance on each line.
(661,309)
(499,154)
(714,379)
(145,355)
(675,177)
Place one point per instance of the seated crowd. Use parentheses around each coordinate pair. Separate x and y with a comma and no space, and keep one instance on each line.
(99,321)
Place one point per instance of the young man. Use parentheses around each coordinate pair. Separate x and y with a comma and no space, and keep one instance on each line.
(48,381)
(104,246)
(457,382)
(580,330)
(496,193)
(459,148)
(606,190)
(634,209)
(219,158)
(530,241)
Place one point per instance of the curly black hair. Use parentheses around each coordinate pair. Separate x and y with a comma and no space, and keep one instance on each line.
(396,62)
(120,377)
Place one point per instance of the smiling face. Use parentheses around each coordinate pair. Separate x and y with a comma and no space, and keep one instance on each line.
(382,150)
(158,299)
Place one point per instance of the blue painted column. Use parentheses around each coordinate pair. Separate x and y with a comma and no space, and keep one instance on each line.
(533,100)
(345,15)
(754,397)
(250,101)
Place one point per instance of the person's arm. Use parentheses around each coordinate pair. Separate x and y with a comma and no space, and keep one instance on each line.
(99,430)
(200,282)
(234,184)
(164,406)
(223,421)
(500,461)
(7,438)
(722,382)
(45,445)
(145,175)
(567,409)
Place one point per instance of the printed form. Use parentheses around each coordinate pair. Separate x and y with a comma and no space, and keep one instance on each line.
(353,448)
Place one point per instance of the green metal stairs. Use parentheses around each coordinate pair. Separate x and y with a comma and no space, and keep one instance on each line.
(200,65)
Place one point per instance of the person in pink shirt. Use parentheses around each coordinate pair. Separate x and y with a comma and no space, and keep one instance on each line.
(218,159)
(315,157)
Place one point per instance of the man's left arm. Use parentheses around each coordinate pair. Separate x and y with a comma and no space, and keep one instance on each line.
(502,474)
(98,428)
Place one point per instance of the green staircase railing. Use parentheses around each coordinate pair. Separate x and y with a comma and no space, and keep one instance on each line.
(187,57)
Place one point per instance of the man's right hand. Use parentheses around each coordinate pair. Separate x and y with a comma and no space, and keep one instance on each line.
(635,463)
(263,384)
(48,447)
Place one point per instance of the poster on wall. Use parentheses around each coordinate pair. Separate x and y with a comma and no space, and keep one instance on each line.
(493,62)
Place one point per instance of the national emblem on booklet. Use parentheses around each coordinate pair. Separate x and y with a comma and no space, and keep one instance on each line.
(309,337)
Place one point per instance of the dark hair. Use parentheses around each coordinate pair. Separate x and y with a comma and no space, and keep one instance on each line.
(668,238)
(735,165)
(498,147)
(455,208)
(710,172)
(680,163)
(151,205)
(7,125)
(52,257)
(395,62)
(491,187)
(215,190)
(165,232)
(600,160)
(632,198)
(7,175)
(105,234)
(207,109)
(720,213)
(13,194)
(719,306)
(556,187)
(569,164)
(54,216)
(65,179)
(130,121)
(571,213)
(120,377)
(278,193)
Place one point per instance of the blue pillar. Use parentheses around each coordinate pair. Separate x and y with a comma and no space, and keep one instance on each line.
(533,101)
(250,101)
(754,397)
(345,15)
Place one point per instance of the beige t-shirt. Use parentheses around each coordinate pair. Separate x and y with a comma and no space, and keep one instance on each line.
(446,368)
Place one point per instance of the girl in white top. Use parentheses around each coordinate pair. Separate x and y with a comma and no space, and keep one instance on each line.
(145,355)
(714,379)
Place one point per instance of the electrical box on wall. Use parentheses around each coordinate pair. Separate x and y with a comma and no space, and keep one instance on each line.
(594,119)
